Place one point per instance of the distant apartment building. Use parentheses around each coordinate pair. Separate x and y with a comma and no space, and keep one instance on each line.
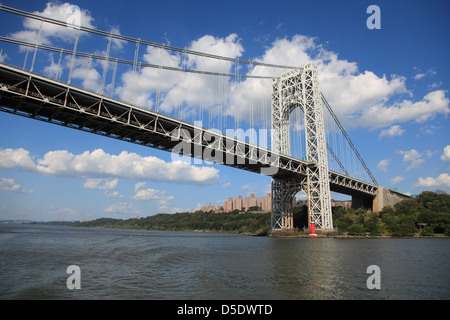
(266,203)
(263,203)
(244,204)
(344,204)
(209,207)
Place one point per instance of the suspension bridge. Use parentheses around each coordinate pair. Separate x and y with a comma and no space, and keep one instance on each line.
(263,118)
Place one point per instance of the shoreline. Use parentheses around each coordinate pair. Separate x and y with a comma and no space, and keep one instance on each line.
(282,234)
(343,236)
(262,233)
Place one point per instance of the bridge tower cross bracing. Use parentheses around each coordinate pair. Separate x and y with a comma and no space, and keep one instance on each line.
(300,88)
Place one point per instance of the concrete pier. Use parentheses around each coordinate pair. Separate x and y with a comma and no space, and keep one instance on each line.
(386,197)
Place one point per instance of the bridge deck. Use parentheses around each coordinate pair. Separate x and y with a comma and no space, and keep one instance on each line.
(37,97)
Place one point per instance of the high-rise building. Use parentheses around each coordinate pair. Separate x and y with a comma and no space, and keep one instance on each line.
(243,204)
(239,203)
(266,202)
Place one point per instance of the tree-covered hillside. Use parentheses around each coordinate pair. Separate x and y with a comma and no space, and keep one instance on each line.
(428,212)
(202,221)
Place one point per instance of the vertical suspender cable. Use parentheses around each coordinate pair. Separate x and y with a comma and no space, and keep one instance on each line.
(220,113)
(105,66)
(236,65)
(26,57)
(202,101)
(113,80)
(136,57)
(88,69)
(158,85)
(58,71)
(73,57)
(250,120)
(37,43)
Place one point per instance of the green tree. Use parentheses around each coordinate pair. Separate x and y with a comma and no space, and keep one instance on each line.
(405,226)
(433,201)
(447,231)
(356,229)
(441,222)
(427,231)
(374,228)
(407,207)
(344,222)
(427,216)
(338,212)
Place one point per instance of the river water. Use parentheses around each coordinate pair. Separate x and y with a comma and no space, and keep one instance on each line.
(135,264)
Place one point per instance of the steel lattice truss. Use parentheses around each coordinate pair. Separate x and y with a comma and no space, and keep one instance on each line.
(300,88)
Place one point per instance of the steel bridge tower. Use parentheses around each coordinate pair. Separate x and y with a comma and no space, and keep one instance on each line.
(300,88)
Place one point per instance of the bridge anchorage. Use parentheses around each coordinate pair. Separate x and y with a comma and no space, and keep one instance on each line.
(299,88)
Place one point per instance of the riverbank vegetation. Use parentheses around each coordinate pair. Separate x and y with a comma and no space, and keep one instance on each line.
(428,214)
(232,222)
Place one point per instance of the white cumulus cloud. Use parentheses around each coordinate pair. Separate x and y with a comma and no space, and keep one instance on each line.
(105,184)
(179,89)
(382,165)
(122,207)
(226,185)
(446,155)
(443,180)
(381,114)
(99,164)
(63,12)
(392,131)
(412,158)
(113,194)
(151,194)
(7,184)
(397,179)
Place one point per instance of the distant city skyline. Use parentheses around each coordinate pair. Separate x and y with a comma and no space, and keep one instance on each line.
(264,203)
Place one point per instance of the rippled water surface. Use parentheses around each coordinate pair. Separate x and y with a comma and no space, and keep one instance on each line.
(133,264)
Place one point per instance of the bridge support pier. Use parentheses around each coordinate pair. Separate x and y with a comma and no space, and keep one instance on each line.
(283,192)
(383,198)
(386,197)
(299,88)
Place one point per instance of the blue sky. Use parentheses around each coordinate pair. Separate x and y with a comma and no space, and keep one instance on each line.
(389,87)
